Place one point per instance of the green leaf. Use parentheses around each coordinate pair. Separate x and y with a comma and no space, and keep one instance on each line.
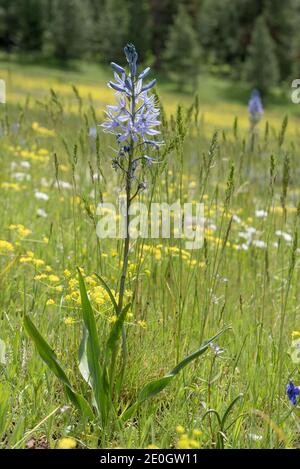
(49,357)
(155,387)
(116,330)
(82,358)
(110,293)
(229,409)
(90,353)
(213,412)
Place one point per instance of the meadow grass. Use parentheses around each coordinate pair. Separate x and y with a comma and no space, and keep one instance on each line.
(52,177)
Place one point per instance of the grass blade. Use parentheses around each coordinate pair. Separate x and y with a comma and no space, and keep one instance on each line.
(155,387)
(49,357)
(110,293)
(229,409)
(116,330)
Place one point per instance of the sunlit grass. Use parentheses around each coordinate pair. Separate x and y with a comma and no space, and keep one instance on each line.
(52,177)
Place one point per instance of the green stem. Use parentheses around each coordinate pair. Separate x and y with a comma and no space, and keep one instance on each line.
(127,239)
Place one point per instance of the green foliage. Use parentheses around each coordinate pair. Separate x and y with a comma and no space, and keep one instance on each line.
(90,359)
(283,19)
(90,353)
(49,357)
(113,30)
(155,387)
(70,39)
(140,14)
(99,29)
(32,24)
(224,28)
(178,297)
(262,66)
(183,53)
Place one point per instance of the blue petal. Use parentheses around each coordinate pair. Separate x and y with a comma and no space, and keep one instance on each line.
(117,68)
(144,73)
(149,85)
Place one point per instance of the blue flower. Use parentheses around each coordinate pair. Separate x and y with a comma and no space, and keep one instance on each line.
(132,57)
(135,116)
(255,107)
(292,392)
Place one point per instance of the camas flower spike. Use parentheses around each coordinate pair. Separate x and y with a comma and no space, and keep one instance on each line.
(133,120)
(255,107)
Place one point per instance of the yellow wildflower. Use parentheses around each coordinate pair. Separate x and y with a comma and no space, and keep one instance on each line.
(11,185)
(21,230)
(90,281)
(53,278)
(113,319)
(67,443)
(180,429)
(69,321)
(73,283)
(25,260)
(142,324)
(5,246)
(183,442)
(40,277)
(38,262)
(42,130)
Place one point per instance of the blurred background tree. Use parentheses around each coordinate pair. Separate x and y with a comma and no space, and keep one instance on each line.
(113,29)
(98,29)
(183,51)
(70,29)
(262,65)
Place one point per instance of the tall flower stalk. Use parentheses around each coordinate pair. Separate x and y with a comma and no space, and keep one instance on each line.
(132,121)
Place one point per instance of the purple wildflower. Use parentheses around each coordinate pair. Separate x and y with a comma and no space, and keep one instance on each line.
(292,392)
(255,107)
(132,57)
(133,120)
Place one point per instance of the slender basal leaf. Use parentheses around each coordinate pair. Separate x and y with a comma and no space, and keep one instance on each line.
(155,387)
(229,409)
(82,358)
(110,293)
(198,352)
(116,330)
(92,352)
(49,357)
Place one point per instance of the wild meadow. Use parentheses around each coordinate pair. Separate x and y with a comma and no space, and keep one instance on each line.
(66,378)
